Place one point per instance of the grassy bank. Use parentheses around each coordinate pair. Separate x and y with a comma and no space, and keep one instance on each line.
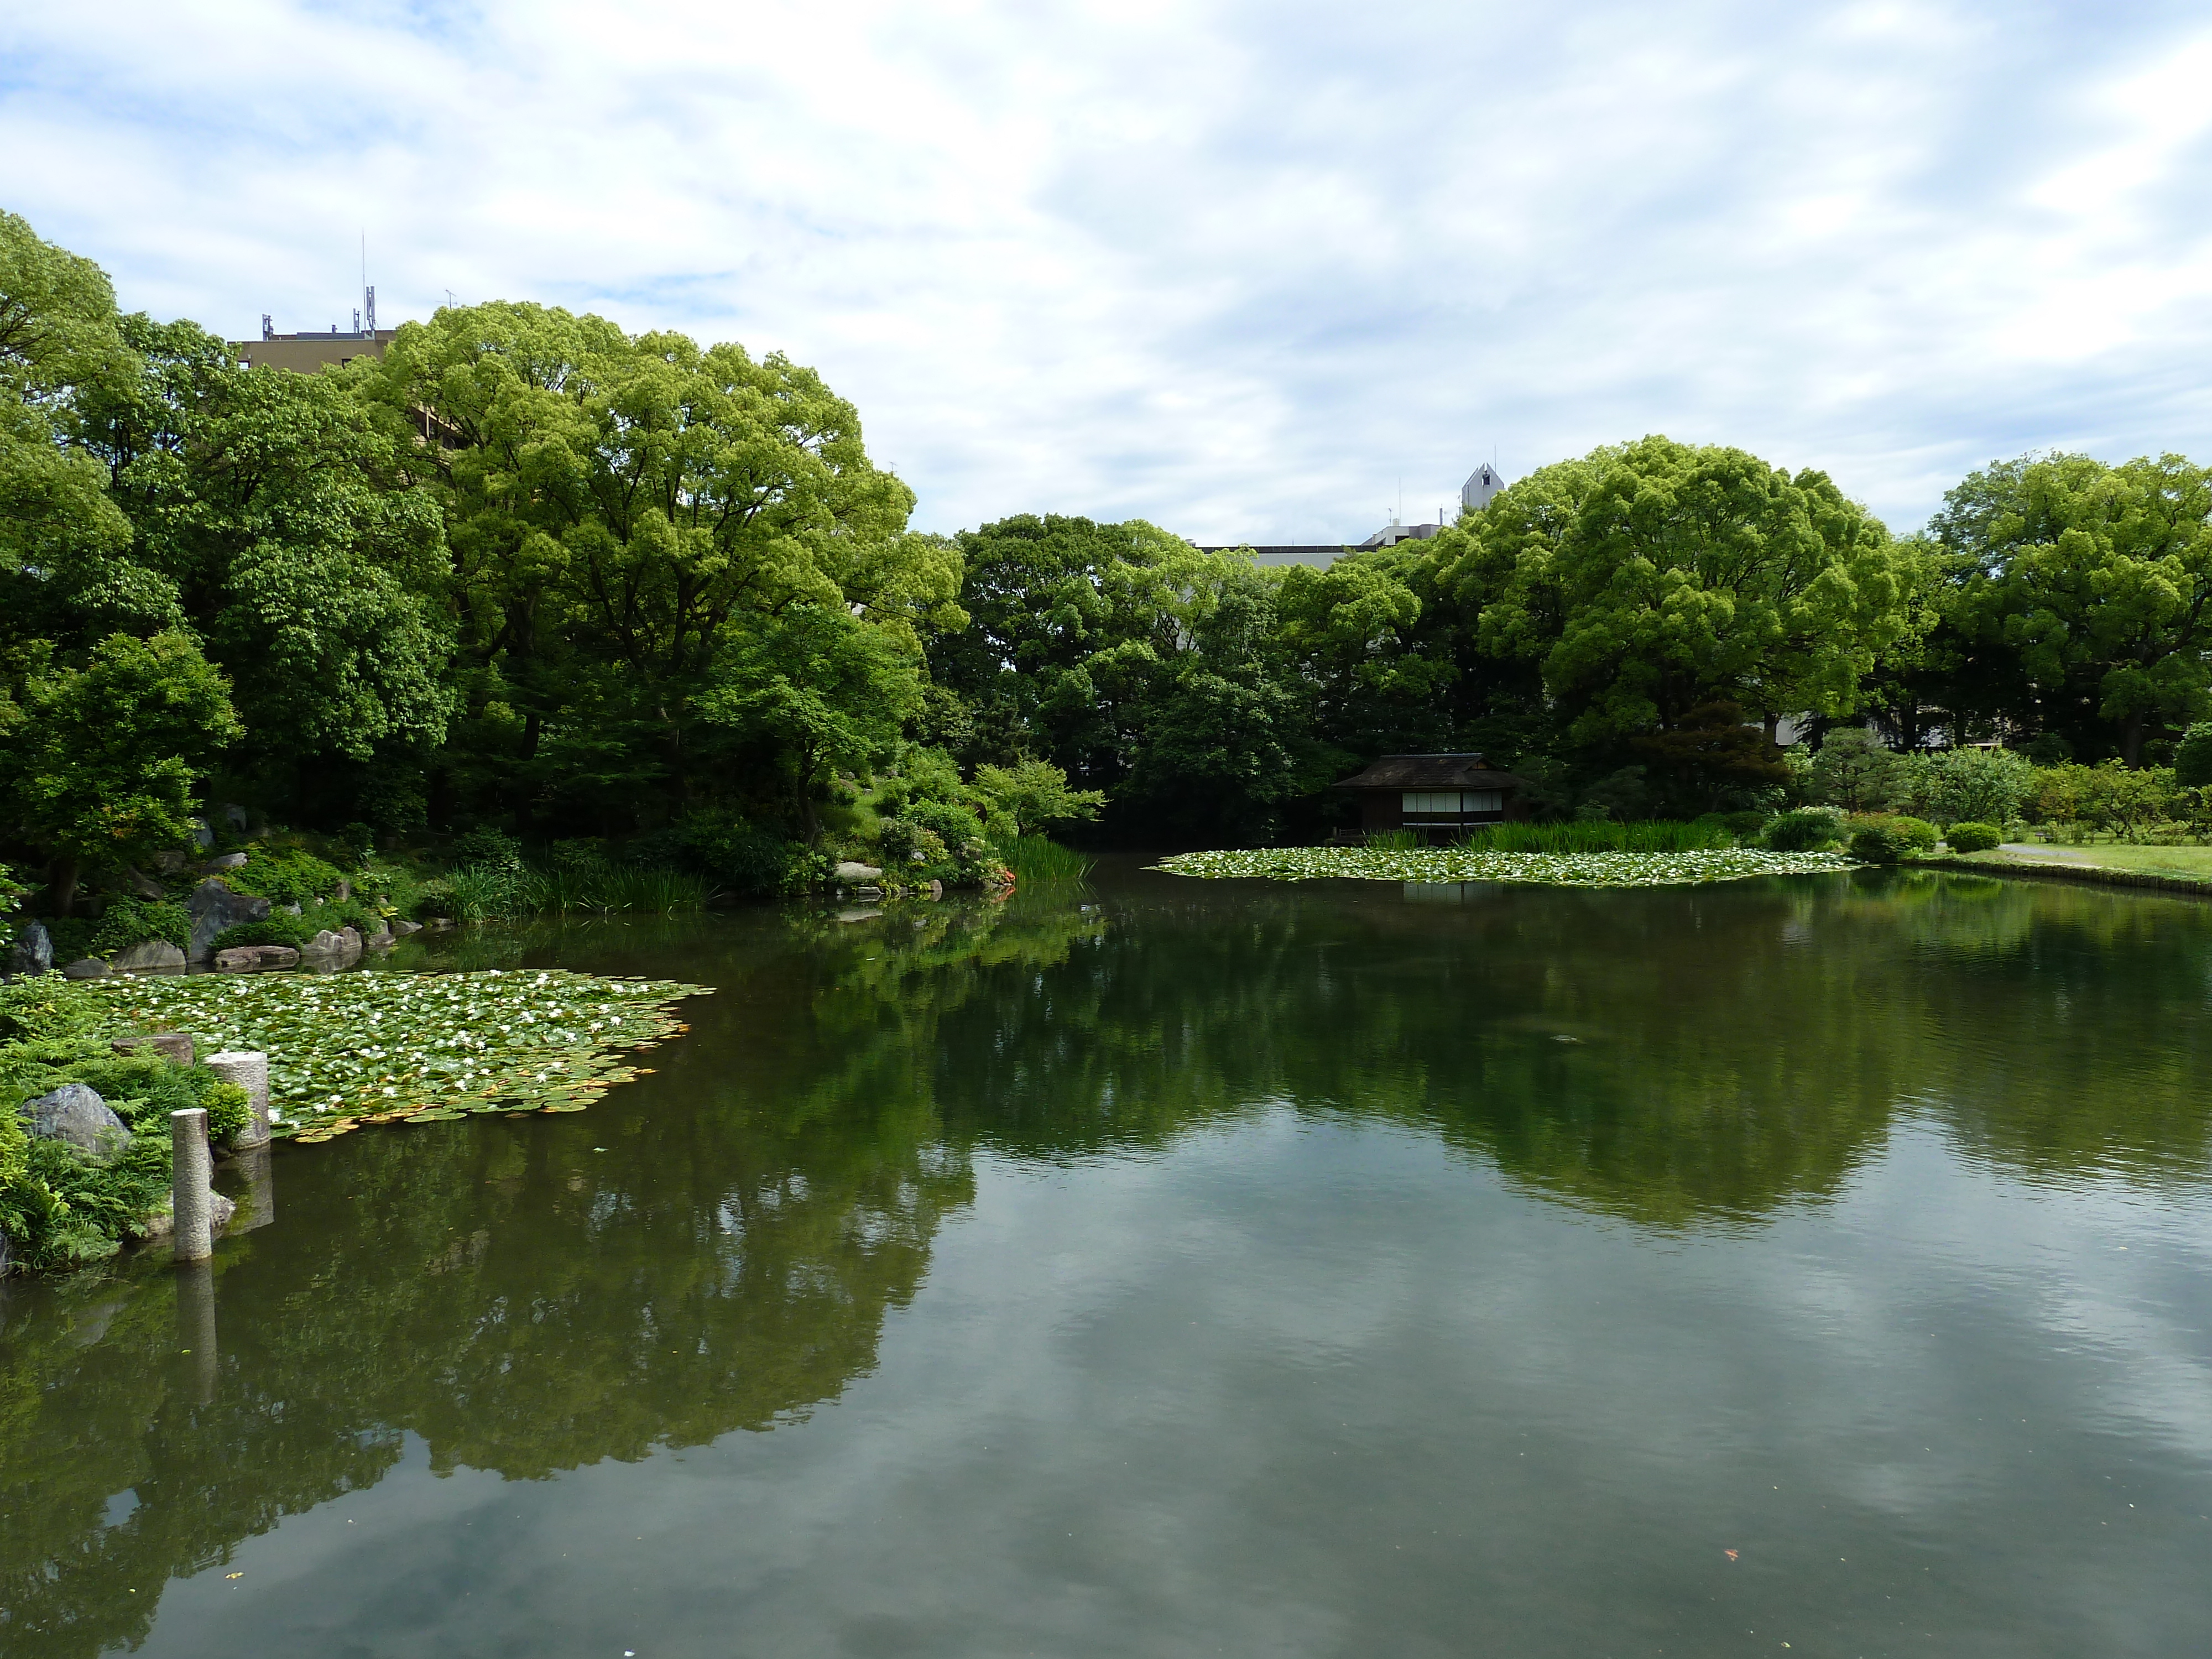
(1475,863)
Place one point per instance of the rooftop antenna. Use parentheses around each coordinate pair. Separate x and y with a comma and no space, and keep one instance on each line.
(268,327)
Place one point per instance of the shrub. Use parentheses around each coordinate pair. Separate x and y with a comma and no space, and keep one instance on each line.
(2192,757)
(1871,844)
(901,840)
(1883,838)
(579,853)
(486,847)
(1808,829)
(356,843)
(436,902)
(281,928)
(1973,837)
(1744,826)
(129,922)
(284,875)
(745,856)
(46,1008)
(1913,835)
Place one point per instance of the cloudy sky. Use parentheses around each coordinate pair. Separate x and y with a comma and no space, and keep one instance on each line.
(1250,271)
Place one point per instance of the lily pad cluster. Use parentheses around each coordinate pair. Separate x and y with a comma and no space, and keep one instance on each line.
(349,1049)
(1454,864)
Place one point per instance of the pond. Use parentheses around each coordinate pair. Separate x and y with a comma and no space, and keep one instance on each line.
(1169,1266)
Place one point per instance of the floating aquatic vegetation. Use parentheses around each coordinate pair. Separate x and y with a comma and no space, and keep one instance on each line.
(1456,863)
(346,1049)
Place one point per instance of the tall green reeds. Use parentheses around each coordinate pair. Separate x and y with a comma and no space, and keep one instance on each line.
(489,892)
(1039,858)
(1602,836)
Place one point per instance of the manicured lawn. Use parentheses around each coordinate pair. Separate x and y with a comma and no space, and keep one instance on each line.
(2116,855)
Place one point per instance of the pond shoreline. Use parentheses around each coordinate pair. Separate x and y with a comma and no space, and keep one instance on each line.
(2087,875)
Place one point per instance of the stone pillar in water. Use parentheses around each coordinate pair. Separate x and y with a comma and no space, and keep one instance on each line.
(258,1201)
(250,1072)
(191,1201)
(196,1326)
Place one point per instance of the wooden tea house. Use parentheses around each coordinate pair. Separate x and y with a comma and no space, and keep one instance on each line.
(1439,797)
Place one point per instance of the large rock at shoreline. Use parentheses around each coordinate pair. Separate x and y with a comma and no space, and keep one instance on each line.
(401,927)
(75,1113)
(214,907)
(85,968)
(32,951)
(148,956)
(255,958)
(328,951)
(849,872)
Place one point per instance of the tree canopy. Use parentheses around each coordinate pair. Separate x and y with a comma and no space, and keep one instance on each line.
(530,571)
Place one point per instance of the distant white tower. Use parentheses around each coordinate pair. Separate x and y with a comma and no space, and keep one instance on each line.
(1481,484)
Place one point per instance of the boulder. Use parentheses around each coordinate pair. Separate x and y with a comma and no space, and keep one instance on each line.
(32,951)
(85,968)
(77,1113)
(255,958)
(175,1047)
(289,909)
(143,885)
(235,816)
(226,861)
(203,837)
(148,956)
(214,907)
(169,863)
(401,928)
(850,873)
(379,941)
(328,951)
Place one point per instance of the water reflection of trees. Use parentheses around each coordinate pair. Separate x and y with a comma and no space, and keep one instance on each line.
(1675,1059)
(749,1218)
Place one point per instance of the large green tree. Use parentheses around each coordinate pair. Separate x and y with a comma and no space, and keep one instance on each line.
(1651,578)
(98,763)
(2100,578)
(65,573)
(618,512)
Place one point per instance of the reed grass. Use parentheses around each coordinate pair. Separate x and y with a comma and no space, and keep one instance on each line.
(613,887)
(1601,836)
(1040,858)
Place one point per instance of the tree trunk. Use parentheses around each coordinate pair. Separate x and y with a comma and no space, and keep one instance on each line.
(61,885)
(2131,740)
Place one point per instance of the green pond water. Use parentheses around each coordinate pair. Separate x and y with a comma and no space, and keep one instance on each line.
(1209,1267)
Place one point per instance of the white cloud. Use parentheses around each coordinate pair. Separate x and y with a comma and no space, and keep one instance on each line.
(1237,267)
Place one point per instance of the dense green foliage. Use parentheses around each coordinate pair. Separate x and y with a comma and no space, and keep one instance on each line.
(1973,837)
(531,575)
(60,1207)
